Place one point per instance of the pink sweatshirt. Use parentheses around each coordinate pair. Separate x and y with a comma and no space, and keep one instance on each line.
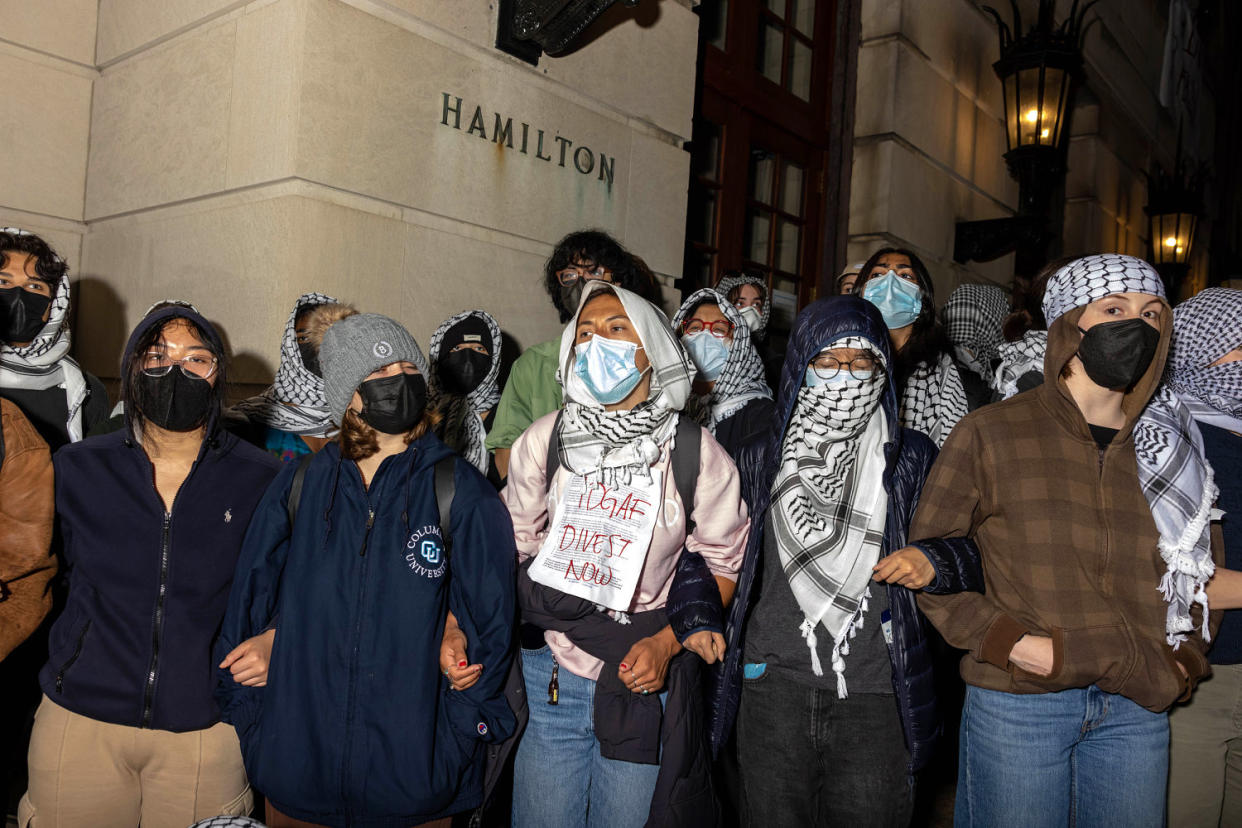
(721,524)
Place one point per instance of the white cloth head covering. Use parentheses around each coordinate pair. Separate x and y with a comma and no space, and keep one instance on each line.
(44,362)
(620,443)
(1173,470)
(295,401)
(742,379)
(464,431)
(829,505)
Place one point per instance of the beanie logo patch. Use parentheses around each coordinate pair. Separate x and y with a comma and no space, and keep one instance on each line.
(381,349)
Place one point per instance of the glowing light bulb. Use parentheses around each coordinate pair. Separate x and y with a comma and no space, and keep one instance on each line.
(1043,133)
(1032,116)
(1180,249)
(1171,241)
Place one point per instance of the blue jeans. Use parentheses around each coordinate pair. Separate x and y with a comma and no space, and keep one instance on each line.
(1078,757)
(559,777)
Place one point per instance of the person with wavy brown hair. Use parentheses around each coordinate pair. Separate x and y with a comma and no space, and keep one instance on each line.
(331,663)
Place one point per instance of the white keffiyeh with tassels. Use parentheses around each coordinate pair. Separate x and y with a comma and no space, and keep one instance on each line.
(933,399)
(1173,471)
(829,506)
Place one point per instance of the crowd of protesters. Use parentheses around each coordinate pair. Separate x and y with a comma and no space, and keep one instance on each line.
(662,572)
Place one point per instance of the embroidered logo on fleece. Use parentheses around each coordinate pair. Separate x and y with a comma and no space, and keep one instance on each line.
(228,515)
(425,552)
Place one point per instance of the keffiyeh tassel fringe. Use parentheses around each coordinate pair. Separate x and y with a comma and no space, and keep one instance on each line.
(1185,582)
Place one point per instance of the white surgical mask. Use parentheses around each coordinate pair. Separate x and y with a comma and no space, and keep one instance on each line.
(752,317)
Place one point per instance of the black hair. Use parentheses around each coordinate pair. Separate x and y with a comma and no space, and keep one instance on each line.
(1028,302)
(49,267)
(133,393)
(927,339)
(595,248)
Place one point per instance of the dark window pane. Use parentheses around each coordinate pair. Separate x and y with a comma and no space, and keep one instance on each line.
(756,241)
(798,78)
(768,53)
(802,16)
(762,175)
(791,187)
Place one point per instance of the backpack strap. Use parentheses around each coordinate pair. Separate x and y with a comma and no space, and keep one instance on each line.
(446,486)
(553,461)
(295,488)
(685,464)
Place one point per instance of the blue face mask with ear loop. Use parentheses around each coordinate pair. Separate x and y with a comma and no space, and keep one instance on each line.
(900,301)
(607,368)
(708,352)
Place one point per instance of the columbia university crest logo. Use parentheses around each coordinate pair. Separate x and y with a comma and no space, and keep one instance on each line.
(425,552)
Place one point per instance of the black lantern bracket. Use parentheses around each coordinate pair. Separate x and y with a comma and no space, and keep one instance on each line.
(1039,71)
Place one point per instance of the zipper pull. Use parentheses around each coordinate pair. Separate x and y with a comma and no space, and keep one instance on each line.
(366,535)
(554,687)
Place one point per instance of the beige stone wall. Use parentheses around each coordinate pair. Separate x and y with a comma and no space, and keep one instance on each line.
(241,153)
(929,140)
(47,61)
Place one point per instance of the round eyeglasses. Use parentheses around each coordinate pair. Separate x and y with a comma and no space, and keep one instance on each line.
(859,368)
(574,273)
(197,366)
(719,329)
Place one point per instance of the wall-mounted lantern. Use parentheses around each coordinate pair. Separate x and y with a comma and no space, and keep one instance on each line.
(1174,203)
(1038,71)
(529,28)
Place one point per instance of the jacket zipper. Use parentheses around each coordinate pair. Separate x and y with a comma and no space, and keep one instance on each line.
(353,665)
(77,651)
(148,696)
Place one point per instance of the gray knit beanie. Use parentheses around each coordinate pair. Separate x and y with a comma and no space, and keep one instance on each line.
(357,345)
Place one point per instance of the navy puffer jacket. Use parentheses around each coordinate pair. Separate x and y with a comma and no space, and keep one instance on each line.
(909,457)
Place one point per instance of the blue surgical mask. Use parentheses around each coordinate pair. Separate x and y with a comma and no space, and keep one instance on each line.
(710,353)
(900,301)
(607,368)
(843,377)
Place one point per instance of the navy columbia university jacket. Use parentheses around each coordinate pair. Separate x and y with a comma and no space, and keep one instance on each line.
(147,589)
(909,457)
(356,725)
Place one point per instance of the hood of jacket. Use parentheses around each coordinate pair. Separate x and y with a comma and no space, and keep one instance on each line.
(158,318)
(1063,339)
(819,325)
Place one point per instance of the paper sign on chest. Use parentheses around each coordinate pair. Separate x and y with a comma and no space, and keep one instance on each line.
(598,542)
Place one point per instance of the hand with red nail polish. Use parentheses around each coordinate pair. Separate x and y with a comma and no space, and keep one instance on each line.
(460,673)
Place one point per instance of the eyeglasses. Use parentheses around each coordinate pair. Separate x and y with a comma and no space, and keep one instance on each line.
(198,366)
(574,273)
(719,329)
(827,368)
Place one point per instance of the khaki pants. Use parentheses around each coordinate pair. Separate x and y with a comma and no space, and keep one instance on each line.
(1205,753)
(88,773)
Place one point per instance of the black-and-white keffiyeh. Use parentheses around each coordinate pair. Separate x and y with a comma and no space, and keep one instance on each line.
(1017,359)
(619,444)
(1173,470)
(44,362)
(933,399)
(728,283)
(464,431)
(295,401)
(1205,328)
(742,378)
(972,319)
(829,506)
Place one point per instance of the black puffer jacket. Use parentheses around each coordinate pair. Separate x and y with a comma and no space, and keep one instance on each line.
(909,457)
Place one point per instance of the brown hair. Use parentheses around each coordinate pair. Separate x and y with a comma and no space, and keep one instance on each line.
(358,441)
(322,317)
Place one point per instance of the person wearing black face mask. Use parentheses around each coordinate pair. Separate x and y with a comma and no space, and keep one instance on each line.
(62,401)
(364,567)
(290,418)
(153,518)
(465,355)
(1091,504)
